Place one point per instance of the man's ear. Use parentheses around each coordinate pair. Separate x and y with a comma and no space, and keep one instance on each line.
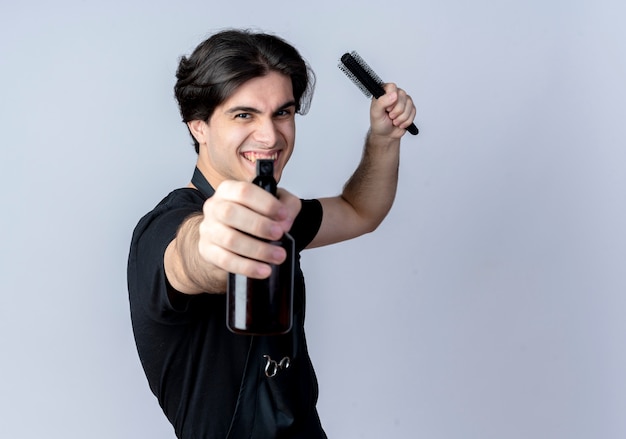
(199,130)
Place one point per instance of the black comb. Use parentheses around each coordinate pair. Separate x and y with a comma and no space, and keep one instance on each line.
(365,79)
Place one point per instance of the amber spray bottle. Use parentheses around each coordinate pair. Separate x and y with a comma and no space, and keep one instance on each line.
(263,306)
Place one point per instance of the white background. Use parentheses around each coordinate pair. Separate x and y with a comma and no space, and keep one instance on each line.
(490,303)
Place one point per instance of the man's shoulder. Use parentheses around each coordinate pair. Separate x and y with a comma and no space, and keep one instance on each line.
(178,203)
(181,197)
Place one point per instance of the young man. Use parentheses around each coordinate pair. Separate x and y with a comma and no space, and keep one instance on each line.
(238,93)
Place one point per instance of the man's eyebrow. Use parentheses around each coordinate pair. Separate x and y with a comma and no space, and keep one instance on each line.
(244,109)
(287,105)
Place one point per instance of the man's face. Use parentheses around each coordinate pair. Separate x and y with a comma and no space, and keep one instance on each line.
(256,122)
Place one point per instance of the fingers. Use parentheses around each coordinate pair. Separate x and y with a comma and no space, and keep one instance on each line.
(236,221)
(236,252)
(395,109)
(250,209)
(403,111)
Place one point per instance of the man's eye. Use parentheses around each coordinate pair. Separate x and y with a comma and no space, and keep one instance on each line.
(283,113)
(242,115)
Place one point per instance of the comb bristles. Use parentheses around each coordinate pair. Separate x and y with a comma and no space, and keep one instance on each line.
(354,79)
(362,75)
(366,67)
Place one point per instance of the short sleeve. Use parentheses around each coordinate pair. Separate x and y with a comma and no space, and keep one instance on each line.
(306,224)
(147,283)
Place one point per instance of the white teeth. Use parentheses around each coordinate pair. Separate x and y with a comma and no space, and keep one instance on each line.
(253,156)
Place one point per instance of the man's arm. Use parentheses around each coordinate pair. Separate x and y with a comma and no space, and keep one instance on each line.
(223,239)
(368,195)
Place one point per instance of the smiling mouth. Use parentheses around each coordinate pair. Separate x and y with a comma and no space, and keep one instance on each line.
(253,156)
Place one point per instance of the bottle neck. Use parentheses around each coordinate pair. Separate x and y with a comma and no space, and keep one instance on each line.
(266,182)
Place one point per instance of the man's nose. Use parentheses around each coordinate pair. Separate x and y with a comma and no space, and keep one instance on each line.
(265,133)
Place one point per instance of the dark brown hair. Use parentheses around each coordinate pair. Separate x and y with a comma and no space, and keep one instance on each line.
(226,60)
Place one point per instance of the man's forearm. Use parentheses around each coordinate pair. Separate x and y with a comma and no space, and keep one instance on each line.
(372,188)
(185,269)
